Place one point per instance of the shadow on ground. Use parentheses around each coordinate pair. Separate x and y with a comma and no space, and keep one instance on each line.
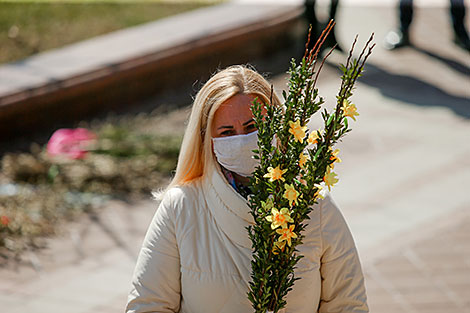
(454,65)
(414,91)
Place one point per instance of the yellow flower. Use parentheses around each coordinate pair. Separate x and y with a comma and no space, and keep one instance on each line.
(320,192)
(330,179)
(268,205)
(334,157)
(313,137)
(349,109)
(302,159)
(279,246)
(275,173)
(279,218)
(291,194)
(286,234)
(297,130)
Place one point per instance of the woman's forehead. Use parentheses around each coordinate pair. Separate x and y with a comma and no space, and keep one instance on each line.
(238,105)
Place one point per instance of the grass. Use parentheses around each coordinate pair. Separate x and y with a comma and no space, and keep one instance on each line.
(30,27)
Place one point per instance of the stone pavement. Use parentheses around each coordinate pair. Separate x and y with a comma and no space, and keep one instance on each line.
(406,171)
(429,275)
(403,188)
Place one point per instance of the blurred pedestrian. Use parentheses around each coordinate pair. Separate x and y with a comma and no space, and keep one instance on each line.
(401,37)
(317,27)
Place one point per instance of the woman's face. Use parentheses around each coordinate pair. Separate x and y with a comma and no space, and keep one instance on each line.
(234,117)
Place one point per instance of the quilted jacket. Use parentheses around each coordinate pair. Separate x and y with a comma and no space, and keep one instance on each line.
(196,256)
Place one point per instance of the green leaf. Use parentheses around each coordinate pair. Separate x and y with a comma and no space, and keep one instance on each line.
(330,119)
(53,172)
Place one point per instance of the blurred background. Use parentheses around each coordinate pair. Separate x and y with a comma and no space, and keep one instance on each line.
(94,96)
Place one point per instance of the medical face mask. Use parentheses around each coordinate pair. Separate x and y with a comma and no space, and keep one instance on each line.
(235,152)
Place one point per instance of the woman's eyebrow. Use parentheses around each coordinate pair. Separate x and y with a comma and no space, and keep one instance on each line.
(244,124)
(248,122)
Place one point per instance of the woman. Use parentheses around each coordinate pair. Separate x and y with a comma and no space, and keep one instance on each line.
(196,254)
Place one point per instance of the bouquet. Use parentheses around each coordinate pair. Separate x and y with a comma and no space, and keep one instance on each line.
(296,165)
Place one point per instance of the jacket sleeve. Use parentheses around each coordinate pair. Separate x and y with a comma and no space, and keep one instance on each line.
(156,280)
(343,287)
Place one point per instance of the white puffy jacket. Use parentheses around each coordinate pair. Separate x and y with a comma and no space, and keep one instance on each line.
(196,256)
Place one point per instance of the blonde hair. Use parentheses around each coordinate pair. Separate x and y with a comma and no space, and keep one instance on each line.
(196,151)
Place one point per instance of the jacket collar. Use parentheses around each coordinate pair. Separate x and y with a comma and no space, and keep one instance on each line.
(230,209)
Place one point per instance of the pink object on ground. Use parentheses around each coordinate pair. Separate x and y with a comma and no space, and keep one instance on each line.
(4,220)
(70,143)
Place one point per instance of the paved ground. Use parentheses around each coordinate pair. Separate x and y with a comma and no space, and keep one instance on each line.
(403,189)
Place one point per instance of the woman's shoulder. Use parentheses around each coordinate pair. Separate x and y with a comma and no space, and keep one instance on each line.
(181,195)
(333,226)
(326,204)
(330,213)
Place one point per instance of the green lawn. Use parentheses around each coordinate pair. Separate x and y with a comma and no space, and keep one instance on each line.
(29,27)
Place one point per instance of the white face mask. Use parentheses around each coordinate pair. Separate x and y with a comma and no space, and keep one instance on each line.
(235,152)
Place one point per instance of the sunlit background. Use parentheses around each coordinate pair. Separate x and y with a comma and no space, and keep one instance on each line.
(94,96)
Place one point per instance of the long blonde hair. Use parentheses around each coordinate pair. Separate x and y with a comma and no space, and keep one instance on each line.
(196,151)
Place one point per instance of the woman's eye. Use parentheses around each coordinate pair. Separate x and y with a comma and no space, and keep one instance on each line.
(226,133)
(251,126)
